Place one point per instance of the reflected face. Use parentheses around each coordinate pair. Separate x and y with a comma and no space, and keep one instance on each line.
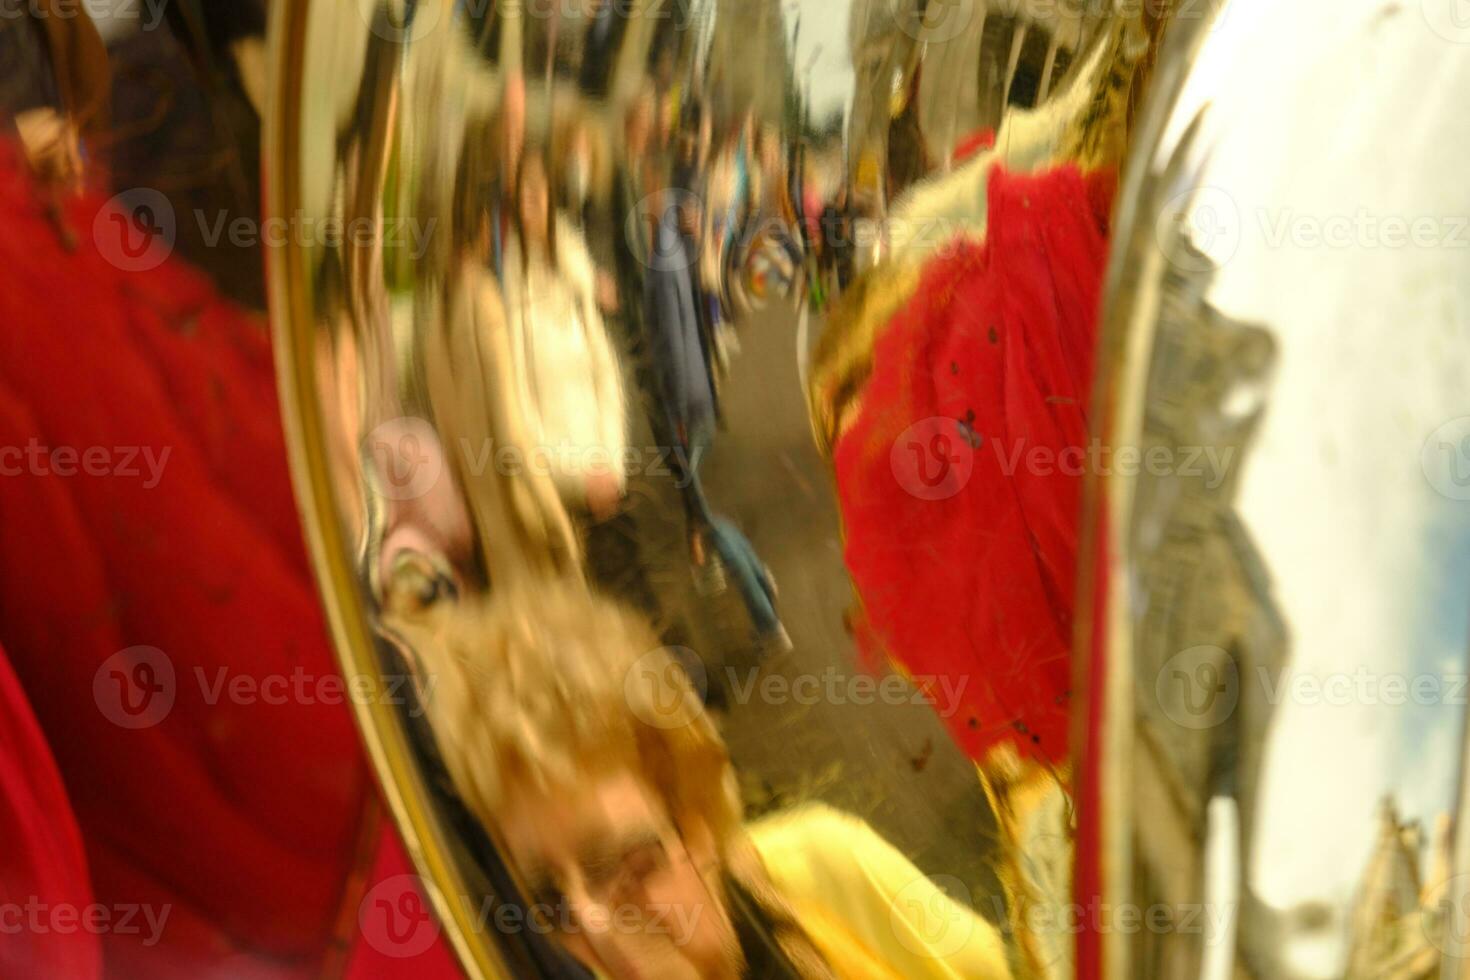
(611,878)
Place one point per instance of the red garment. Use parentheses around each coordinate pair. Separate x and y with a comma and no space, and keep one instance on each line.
(45,896)
(961,526)
(976,142)
(239,814)
(396,937)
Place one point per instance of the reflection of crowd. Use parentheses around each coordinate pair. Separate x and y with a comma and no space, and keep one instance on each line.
(603,310)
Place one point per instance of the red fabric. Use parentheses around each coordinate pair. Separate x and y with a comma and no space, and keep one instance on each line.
(45,895)
(993,357)
(979,140)
(397,948)
(240,816)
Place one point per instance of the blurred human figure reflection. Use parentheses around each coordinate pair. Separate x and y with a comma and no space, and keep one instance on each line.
(522,524)
(511,142)
(585,748)
(567,374)
(680,347)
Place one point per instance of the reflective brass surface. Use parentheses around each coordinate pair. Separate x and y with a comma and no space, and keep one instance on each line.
(1273,739)
(765,154)
(1280,647)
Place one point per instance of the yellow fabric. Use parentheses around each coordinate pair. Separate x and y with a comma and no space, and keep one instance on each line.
(869,910)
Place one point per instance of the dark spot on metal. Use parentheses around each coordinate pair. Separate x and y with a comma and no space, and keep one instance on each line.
(920,762)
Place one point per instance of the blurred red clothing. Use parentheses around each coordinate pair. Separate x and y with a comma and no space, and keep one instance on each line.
(960,479)
(146,504)
(977,142)
(45,894)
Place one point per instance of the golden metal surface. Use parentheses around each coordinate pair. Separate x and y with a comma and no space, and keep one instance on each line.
(1288,293)
(399,774)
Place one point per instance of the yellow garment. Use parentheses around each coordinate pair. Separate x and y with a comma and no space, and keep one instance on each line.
(873,915)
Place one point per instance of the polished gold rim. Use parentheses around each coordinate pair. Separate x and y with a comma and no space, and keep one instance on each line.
(382,731)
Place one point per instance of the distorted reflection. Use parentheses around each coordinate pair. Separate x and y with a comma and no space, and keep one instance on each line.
(587,750)
(1287,622)
(718,296)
